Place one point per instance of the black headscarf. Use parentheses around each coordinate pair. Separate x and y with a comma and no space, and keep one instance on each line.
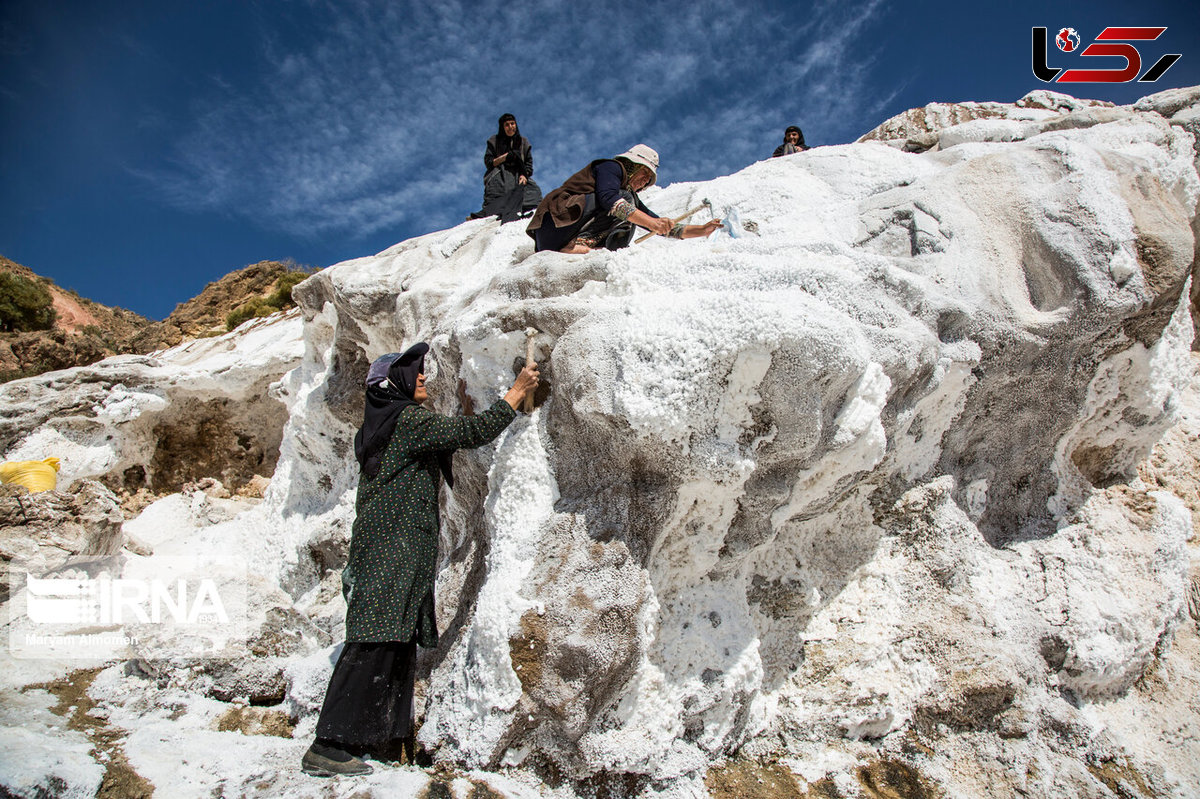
(505,143)
(386,400)
(799,133)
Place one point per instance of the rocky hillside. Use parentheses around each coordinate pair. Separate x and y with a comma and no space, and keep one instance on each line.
(85,331)
(209,311)
(892,497)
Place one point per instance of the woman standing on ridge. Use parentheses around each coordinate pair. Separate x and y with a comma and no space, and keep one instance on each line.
(508,186)
(388,581)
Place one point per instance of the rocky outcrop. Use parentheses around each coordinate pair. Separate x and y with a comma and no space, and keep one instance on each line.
(25,354)
(251,672)
(206,409)
(1180,107)
(942,125)
(86,332)
(51,526)
(205,314)
(83,332)
(919,129)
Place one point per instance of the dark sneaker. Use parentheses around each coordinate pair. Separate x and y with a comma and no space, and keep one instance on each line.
(326,761)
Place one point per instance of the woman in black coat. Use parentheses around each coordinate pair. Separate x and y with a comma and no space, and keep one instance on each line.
(793,142)
(508,186)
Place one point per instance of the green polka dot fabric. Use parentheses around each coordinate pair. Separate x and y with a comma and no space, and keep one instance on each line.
(389,578)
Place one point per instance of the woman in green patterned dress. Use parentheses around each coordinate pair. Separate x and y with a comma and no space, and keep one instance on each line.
(403,450)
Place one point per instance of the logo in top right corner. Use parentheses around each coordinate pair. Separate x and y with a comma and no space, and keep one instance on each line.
(1067,40)
(1113,43)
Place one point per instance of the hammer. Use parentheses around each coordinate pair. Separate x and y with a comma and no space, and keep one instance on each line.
(530,335)
(680,218)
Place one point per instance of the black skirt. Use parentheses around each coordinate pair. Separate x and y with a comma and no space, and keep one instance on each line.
(369,701)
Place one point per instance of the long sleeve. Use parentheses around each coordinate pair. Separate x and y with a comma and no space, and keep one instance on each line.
(527,154)
(609,175)
(431,432)
(608,183)
(489,154)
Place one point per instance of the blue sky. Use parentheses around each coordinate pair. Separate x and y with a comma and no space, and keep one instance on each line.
(147,148)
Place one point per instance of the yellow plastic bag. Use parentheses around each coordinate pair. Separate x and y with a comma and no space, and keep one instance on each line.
(34,475)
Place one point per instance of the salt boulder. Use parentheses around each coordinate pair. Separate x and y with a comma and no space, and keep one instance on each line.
(737,426)
(46,529)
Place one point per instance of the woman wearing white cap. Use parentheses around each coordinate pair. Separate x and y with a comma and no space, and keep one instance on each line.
(598,206)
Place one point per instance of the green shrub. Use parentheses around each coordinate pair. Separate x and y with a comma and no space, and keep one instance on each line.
(279,299)
(100,334)
(282,296)
(24,304)
(249,310)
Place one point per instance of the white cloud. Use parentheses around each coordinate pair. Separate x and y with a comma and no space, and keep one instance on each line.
(373,117)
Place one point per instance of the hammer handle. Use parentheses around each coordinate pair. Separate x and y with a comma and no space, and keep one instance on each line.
(528,406)
(674,221)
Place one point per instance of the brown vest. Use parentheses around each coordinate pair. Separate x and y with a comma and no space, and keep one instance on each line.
(565,204)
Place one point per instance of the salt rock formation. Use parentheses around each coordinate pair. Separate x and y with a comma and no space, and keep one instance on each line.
(943,125)
(856,475)
(203,409)
(855,495)
(56,525)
